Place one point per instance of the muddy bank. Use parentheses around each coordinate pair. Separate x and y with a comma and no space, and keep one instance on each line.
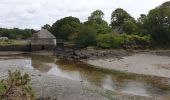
(145,63)
(48,87)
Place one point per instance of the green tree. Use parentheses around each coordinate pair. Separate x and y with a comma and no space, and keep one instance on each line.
(130,27)
(86,36)
(96,16)
(96,21)
(120,18)
(16,33)
(46,26)
(158,24)
(65,27)
(141,24)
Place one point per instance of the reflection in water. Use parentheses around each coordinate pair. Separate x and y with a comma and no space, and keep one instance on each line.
(108,83)
(136,88)
(137,85)
(74,75)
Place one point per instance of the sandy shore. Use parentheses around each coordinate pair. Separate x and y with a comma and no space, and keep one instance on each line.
(139,63)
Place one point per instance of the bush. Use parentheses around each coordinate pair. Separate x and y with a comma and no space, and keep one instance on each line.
(135,41)
(122,40)
(107,41)
(16,87)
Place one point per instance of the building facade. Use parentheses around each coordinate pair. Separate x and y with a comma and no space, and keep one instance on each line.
(43,40)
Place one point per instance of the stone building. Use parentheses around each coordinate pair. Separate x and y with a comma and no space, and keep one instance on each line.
(43,40)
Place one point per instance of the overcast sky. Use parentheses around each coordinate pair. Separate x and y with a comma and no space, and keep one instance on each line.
(35,13)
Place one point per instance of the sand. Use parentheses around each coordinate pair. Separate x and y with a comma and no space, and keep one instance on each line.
(138,63)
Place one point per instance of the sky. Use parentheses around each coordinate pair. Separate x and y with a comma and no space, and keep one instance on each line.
(36,13)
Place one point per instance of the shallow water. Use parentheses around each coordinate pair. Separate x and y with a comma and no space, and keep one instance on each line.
(78,71)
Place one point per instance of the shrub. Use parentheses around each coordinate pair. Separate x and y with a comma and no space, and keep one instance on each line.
(135,40)
(107,41)
(122,40)
(16,87)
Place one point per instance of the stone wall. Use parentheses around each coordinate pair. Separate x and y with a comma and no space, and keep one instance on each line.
(42,47)
(28,48)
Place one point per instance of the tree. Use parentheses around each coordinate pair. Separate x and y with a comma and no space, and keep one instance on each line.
(86,36)
(120,18)
(130,27)
(46,26)
(141,19)
(65,27)
(166,5)
(141,22)
(16,33)
(158,24)
(95,20)
(96,16)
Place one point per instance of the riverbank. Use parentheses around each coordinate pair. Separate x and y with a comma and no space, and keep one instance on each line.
(152,63)
(146,62)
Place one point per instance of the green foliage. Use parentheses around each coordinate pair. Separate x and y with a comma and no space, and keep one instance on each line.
(130,27)
(121,21)
(2,88)
(13,42)
(16,33)
(65,27)
(122,41)
(46,26)
(16,87)
(96,16)
(157,24)
(107,41)
(136,40)
(85,37)
(96,22)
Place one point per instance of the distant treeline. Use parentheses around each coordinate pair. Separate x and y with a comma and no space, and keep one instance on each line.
(123,30)
(16,33)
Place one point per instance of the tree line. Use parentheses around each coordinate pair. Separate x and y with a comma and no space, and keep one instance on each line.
(16,33)
(123,30)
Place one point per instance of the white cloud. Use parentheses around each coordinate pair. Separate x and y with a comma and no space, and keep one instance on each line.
(35,13)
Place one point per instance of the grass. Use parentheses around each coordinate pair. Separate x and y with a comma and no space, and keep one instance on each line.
(13,42)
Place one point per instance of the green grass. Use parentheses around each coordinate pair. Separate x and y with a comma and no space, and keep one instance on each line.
(13,42)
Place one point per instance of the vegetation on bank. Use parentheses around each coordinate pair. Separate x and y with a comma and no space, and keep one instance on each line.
(16,87)
(13,42)
(123,40)
(123,31)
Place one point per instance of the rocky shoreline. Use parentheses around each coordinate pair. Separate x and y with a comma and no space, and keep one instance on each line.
(90,53)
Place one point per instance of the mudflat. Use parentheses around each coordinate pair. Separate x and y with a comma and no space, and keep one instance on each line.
(146,63)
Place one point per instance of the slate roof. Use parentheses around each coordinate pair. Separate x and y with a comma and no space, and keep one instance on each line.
(44,34)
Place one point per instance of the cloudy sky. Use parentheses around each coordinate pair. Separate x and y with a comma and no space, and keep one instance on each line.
(35,13)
